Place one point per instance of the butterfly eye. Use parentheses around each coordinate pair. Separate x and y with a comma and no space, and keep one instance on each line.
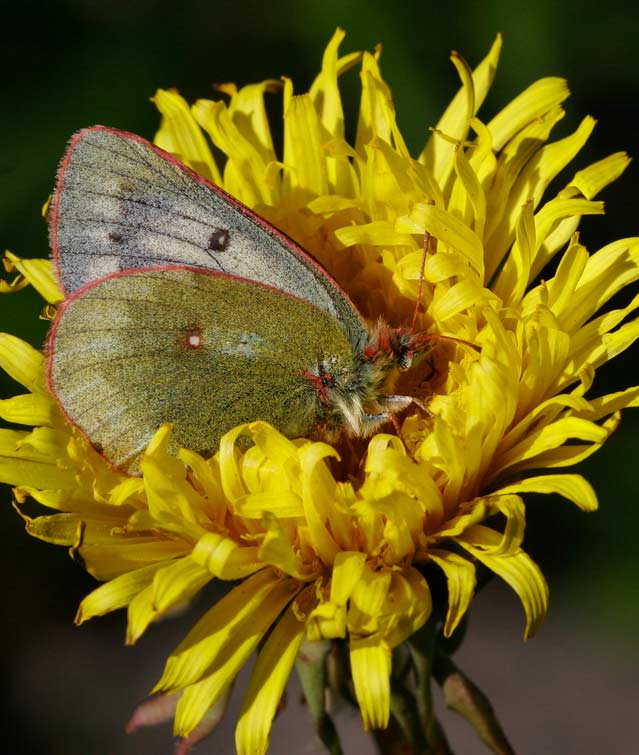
(405,360)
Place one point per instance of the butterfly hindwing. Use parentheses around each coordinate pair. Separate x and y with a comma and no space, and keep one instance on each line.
(196,348)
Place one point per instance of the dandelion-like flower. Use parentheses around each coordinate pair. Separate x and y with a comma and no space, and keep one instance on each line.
(333,543)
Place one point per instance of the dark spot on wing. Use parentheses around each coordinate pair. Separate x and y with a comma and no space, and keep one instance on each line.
(219,240)
(115,237)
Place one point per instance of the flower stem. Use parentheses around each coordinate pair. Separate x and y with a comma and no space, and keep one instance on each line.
(465,698)
(311,669)
(422,648)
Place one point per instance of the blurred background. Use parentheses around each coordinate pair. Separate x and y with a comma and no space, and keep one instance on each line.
(75,63)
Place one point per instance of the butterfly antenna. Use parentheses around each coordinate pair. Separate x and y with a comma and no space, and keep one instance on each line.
(420,286)
(453,339)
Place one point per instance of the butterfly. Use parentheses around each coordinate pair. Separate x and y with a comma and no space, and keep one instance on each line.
(183,306)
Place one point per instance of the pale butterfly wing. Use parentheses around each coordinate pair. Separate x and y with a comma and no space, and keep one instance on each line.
(122,203)
(199,349)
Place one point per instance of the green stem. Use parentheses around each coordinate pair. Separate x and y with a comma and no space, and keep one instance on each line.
(404,710)
(465,698)
(311,669)
(422,647)
(391,740)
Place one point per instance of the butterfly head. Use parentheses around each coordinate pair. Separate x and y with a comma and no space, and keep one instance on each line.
(352,396)
(395,347)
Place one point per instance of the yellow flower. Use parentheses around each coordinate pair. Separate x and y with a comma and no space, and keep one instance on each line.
(333,543)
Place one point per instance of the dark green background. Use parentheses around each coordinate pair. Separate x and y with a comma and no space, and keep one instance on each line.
(72,64)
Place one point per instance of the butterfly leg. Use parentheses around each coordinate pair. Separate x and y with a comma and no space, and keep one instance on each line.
(397,403)
(370,422)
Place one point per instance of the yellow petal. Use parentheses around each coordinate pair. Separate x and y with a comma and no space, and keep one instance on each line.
(326,621)
(252,605)
(116,594)
(468,197)
(591,180)
(175,583)
(22,464)
(438,153)
(548,220)
(21,362)
(608,346)
(512,507)
(460,297)
(123,492)
(180,135)
(517,569)
(589,337)
(277,549)
(458,524)
(267,683)
(513,277)
(105,557)
(347,570)
(550,437)
(571,486)
(318,488)
(562,286)
(39,273)
(324,90)
(378,233)
(607,272)
(461,580)
(447,229)
(245,167)
(54,499)
(539,98)
(370,669)
(408,606)
(168,493)
(28,409)
(281,504)
(367,600)
(327,101)
(376,114)
(242,637)
(603,406)
(59,529)
(531,183)
(249,113)
(305,176)
(224,558)
(568,455)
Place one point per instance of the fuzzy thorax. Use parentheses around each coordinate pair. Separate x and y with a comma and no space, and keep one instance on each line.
(354,401)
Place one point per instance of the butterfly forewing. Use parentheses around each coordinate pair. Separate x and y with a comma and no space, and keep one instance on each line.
(199,349)
(122,203)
